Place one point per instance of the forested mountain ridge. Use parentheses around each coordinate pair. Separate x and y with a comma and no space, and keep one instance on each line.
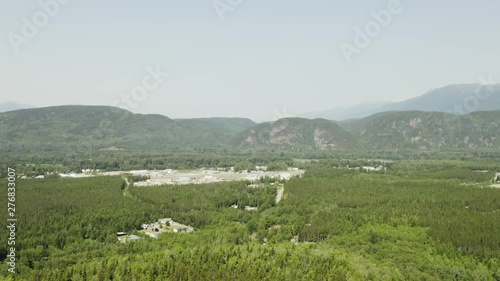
(102,127)
(427,130)
(296,133)
(75,128)
(228,127)
(388,130)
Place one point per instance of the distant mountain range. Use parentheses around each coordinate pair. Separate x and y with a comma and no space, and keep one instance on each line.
(10,106)
(453,99)
(456,116)
(96,128)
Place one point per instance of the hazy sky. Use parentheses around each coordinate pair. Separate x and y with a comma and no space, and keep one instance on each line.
(266,58)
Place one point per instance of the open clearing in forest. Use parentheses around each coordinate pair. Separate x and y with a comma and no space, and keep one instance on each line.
(170,177)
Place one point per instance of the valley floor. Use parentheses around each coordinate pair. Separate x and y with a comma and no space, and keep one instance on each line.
(412,220)
(199,176)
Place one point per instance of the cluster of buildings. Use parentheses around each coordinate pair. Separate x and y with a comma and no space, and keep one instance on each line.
(153,230)
(123,237)
(164,225)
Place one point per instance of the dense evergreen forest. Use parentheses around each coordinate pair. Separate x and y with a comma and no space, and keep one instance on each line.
(74,161)
(412,220)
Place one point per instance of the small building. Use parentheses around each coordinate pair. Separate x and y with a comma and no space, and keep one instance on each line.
(134,237)
(183,229)
(120,233)
(165,221)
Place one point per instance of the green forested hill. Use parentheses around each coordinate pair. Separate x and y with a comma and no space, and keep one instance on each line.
(296,134)
(427,130)
(101,127)
(226,128)
(388,130)
(98,128)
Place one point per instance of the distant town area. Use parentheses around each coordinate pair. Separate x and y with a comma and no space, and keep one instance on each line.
(199,176)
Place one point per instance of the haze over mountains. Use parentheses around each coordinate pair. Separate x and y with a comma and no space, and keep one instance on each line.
(456,116)
(9,106)
(454,99)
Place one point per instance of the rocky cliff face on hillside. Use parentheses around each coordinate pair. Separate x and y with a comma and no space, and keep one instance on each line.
(55,129)
(428,130)
(296,133)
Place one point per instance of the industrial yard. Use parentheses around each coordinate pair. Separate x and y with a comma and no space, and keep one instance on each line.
(199,176)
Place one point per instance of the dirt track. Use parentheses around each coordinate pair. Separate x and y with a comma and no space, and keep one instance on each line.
(279,195)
